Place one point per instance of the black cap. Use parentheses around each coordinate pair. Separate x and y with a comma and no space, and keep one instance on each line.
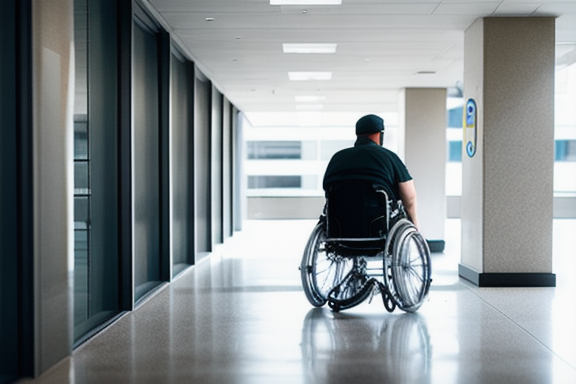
(369,124)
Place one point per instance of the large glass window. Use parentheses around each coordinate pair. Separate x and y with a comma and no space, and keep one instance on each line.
(96,255)
(217,165)
(146,165)
(81,171)
(454,136)
(9,322)
(203,164)
(264,181)
(283,162)
(565,132)
(565,150)
(274,150)
(182,164)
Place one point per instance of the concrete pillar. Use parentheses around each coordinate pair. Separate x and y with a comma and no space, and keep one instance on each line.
(507,163)
(423,122)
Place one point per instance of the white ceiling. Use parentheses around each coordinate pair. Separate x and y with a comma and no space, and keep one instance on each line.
(382,47)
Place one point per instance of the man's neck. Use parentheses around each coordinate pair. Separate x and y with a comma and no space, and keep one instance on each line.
(375,137)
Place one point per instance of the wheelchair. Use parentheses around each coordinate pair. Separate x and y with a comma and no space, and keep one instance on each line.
(364,245)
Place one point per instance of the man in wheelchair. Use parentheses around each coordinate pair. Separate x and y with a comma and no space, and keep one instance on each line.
(370,211)
(369,161)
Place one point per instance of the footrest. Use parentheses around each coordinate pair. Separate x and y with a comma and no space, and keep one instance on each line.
(353,290)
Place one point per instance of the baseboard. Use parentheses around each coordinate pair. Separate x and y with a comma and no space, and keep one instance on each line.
(507,279)
(436,246)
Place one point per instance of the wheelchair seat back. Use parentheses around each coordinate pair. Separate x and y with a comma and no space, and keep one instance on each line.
(357,218)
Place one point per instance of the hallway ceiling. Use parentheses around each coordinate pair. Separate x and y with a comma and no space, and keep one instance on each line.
(382,47)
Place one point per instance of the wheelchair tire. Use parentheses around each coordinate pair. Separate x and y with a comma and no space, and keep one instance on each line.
(320,269)
(407,268)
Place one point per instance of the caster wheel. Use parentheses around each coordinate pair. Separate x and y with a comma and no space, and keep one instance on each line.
(389,303)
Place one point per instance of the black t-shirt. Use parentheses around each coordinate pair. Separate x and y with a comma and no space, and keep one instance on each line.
(367,161)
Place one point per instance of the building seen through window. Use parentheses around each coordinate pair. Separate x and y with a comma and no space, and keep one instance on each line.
(293,164)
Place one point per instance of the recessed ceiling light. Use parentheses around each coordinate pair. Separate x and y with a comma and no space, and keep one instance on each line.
(426,72)
(209,19)
(305,76)
(305,2)
(308,99)
(309,48)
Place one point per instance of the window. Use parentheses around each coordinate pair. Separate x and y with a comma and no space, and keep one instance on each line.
(11,324)
(147,165)
(96,212)
(258,182)
(273,150)
(565,150)
(182,163)
(454,147)
(455,151)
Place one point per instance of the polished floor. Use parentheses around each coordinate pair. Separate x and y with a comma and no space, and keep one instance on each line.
(240,316)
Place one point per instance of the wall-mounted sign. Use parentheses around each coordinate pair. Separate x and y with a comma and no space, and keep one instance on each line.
(470,120)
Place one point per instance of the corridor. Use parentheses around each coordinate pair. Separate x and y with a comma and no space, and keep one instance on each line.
(240,316)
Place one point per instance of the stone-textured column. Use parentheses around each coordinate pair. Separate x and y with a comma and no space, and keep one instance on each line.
(507,165)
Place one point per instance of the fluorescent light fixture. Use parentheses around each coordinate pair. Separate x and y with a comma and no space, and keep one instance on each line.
(309,48)
(307,76)
(309,99)
(305,2)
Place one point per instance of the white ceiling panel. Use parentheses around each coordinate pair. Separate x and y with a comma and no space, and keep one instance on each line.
(382,47)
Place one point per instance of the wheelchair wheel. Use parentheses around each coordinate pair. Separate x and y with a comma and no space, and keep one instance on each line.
(407,268)
(321,269)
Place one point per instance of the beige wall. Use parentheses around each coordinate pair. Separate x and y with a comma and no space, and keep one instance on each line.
(425,155)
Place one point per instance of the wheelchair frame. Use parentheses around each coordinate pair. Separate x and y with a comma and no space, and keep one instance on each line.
(400,270)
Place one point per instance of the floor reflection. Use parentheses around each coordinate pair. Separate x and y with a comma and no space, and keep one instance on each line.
(240,316)
(338,348)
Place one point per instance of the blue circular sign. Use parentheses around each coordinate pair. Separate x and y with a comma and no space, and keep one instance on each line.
(470,149)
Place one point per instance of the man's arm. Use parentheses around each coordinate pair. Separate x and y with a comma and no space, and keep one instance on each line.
(408,196)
